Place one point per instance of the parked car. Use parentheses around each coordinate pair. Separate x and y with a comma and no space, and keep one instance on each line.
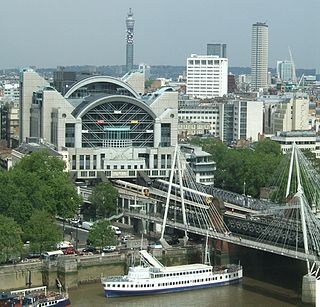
(90,249)
(33,255)
(71,251)
(64,244)
(109,249)
(156,245)
(75,221)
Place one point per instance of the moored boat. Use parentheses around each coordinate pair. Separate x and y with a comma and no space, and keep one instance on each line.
(154,278)
(34,297)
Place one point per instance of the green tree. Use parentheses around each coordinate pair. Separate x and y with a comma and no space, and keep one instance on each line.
(38,182)
(57,193)
(268,147)
(10,239)
(41,163)
(237,168)
(104,199)
(42,232)
(101,234)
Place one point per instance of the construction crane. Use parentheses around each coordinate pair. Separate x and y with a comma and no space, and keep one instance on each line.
(294,77)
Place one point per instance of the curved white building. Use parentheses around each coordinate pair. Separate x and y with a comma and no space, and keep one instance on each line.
(104,125)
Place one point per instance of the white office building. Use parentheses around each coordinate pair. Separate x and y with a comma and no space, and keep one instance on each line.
(304,139)
(207,76)
(259,56)
(229,120)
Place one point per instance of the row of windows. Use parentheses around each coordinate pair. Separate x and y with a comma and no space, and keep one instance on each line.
(297,142)
(124,166)
(199,111)
(48,304)
(173,283)
(186,273)
(204,62)
(203,73)
(200,117)
(202,92)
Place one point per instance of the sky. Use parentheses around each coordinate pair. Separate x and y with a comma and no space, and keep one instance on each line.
(45,33)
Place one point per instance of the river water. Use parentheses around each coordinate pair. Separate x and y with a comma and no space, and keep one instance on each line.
(270,280)
(234,295)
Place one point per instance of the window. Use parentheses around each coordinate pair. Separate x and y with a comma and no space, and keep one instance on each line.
(94,161)
(102,159)
(163,161)
(69,135)
(155,161)
(81,161)
(74,162)
(87,162)
(165,135)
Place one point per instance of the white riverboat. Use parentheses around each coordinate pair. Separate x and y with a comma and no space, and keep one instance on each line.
(154,278)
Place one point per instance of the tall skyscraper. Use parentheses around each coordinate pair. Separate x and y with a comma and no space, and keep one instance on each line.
(129,52)
(217,49)
(259,56)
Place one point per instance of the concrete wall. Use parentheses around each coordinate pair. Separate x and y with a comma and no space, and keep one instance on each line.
(70,270)
(16,276)
(74,270)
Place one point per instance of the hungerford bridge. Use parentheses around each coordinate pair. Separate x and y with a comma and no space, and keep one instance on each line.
(291,229)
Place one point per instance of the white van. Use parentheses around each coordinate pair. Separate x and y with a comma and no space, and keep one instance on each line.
(87,225)
(64,244)
(51,255)
(116,229)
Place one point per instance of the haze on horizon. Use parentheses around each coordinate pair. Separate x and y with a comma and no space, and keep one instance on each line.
(46,33)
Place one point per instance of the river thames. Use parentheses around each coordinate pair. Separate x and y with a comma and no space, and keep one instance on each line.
(270,280)
(248,293)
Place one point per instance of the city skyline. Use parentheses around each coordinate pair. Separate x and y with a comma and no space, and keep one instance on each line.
(49,34)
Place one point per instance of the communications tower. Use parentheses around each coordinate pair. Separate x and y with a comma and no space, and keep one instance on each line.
(129,51)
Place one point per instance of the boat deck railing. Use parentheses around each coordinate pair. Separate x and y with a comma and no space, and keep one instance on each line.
(226,269)
(115,279)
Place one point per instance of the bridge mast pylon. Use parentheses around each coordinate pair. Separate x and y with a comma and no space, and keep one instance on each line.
(176,165)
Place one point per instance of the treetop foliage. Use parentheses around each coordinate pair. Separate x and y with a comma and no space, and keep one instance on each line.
(243,169)
(10,239)
(101,234)
(104,198)
(34,191)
